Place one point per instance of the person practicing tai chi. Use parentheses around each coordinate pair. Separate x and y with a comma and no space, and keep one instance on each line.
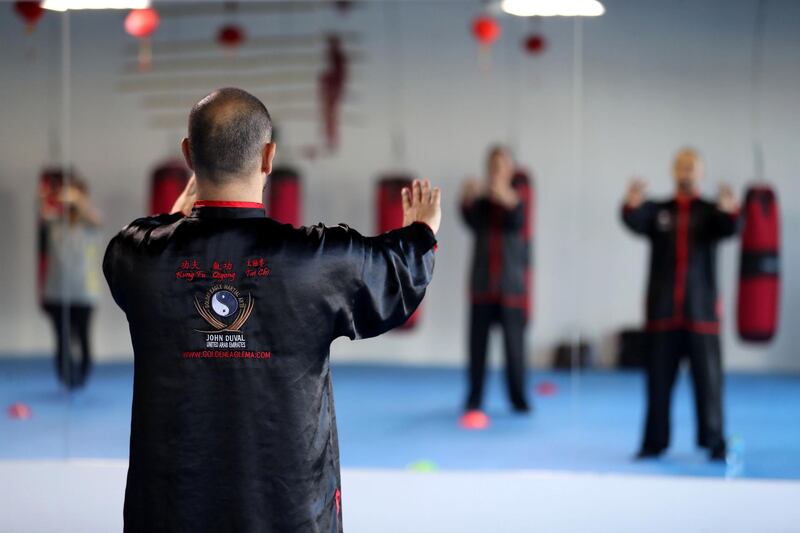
(71,225)
(683,308)
(231,316)
(495,214)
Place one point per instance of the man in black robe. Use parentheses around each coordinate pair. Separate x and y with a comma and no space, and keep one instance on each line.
(231,316)
(683,309)
(496,215)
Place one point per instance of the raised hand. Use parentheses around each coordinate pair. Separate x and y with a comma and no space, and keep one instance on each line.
(726,201)
(635,195)
(421,203)
(187,198)
(504,194)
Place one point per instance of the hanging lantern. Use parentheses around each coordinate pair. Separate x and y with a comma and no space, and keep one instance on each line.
(142,23)
(535,44)
(230,36)
(486,30)
(30,12)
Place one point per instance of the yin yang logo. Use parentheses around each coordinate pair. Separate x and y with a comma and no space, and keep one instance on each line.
(224,303)
(664,220)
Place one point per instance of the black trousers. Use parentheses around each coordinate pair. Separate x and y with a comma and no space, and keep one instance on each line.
(667,349)
(70,331)
(512,321)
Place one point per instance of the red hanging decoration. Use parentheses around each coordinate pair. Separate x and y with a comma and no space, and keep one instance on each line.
(535,44)
(230,36)
(142,23)
(486,30)
(332,82)
(30,12)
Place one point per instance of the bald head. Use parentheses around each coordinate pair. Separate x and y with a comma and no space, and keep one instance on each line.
(228,131)
(687,169)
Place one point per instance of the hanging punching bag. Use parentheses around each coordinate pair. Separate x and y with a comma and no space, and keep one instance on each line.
(524,186)
(759,274)
(283,196)
(389,202)
(167,183)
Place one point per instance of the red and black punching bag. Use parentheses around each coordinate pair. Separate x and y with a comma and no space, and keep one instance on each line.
(283,196)
(166,185)
(759,273)
(524,186)
(389,203)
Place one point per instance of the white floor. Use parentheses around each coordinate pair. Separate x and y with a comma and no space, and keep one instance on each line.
(86,497)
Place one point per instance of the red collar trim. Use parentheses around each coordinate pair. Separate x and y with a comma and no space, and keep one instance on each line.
(686,198)
(241,205)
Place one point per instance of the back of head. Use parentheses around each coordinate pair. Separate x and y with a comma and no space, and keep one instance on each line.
(227,133)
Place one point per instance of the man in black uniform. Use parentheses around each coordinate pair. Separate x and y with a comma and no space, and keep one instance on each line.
(496,215)
(231,316)
(683,309)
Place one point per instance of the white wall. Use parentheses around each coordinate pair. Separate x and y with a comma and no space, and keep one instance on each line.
(657,75)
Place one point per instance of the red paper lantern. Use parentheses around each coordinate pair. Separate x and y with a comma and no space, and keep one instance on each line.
(142,23)
(486,30)
(230,36)
(30,12)
(535,44)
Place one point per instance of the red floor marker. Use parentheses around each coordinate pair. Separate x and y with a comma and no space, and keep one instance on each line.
(474,419)
(546,388)
(19,411)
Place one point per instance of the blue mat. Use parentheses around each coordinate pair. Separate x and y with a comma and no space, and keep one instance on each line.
(401,417)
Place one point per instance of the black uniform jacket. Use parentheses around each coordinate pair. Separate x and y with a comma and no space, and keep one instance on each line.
(501,254)
(231,316)
(682,287)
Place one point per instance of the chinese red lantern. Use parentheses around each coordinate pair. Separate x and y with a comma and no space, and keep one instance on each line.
(230,36)
(486,30)
(142,23)
(535,44)
(30,12)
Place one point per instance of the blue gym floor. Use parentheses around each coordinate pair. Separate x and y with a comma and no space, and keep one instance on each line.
(406,417)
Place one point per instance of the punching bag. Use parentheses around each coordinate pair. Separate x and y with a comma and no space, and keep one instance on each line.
(167,183)
(389,203)
(526,191)
(283,196)
(759,274)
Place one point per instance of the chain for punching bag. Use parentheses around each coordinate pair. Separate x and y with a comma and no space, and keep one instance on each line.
(759,266)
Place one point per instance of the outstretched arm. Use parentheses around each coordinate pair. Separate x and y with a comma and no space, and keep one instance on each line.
(186,200)
(395,268)
(636,212)
(470,193)
(725,221)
